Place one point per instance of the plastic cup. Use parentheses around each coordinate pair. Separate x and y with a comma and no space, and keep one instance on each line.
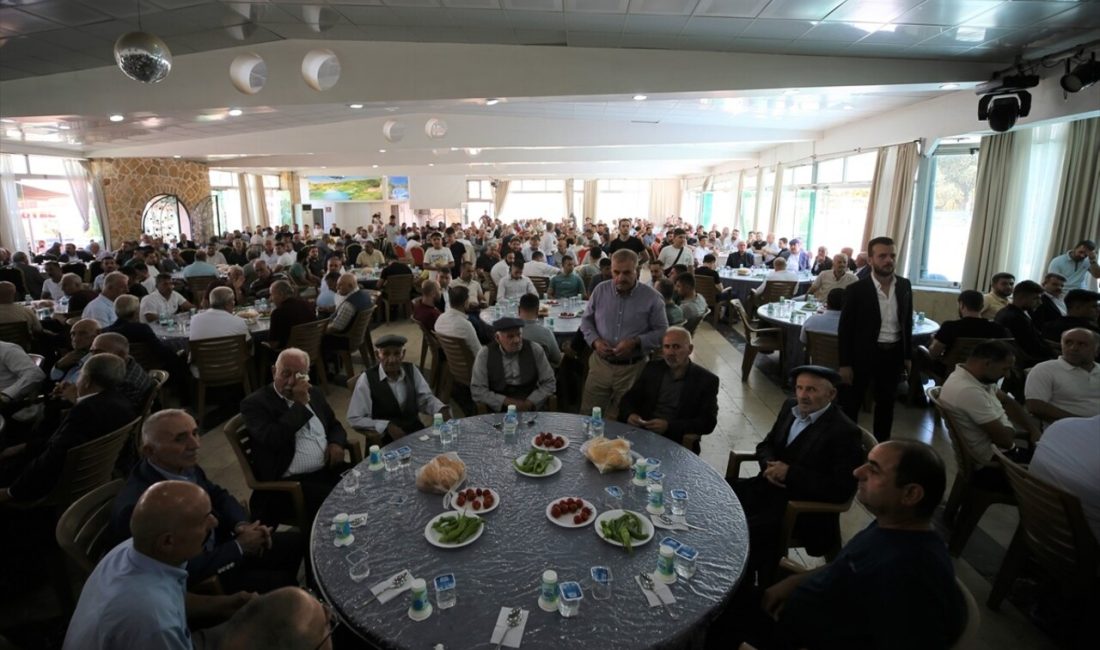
(343,525)
(446,435)
(684,561)
(392,460)
(351,482)
(445,594)
(569,604)
(678,502)
(405,455)
(360,570)
(601,582)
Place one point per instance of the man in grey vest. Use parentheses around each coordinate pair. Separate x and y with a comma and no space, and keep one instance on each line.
(512,371)
(390,396)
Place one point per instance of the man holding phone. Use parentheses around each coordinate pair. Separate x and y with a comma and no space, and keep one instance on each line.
(295,436)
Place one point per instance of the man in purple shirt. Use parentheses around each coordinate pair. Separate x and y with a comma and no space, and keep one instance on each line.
(624,321)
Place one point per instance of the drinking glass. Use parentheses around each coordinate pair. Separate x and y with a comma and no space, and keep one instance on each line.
(678,502)
(684,561)
(392,460)
(445,595)
(359,571)
(351,482)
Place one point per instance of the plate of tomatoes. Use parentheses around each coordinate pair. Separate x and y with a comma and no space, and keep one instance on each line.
(547,441)
(571,512)
(476,500)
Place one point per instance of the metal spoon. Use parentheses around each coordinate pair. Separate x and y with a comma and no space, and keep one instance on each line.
(512,621)
(647,583)
(394,584)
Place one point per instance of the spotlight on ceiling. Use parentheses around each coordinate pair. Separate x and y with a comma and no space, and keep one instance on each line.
(1084,75)
(1005,99)
(117,117)
(492,102)
(235,112)
(1002,110)
(640,98)
(355,106)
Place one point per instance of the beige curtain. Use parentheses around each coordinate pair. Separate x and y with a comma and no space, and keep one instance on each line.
(664,199)
(986,250)
(99,202)
(737,204)
(248,222)
(890,207)
(500,194)
(259,205)
(777,194)
(568,197)
(591,196)
(1078,212)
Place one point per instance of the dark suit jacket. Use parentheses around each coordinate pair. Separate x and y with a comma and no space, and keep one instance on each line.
(272,425)
(89,419)
(860,321)
(821,461)
(736,259)
(698,412)
(293,311)
(1028,340)
(142,333)
(1045,313)
(223,553)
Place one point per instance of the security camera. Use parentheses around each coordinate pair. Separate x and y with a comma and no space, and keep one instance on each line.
(1001,111)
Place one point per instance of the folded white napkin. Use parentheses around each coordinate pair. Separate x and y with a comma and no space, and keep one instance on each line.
(674,526)
(659,594)
(355,520)
(512,636)
(386,592)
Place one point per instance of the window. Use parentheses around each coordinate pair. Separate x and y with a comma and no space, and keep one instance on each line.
(949,206)
(227,198)
(622,199)
(825,203)
(578,200)
(479,190)
(166,217)
(748,202)
(535,199)
(47,209)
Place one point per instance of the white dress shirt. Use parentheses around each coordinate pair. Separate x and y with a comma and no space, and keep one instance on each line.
(361,404)
(101,310)
(310,444)
(51,290)
(157,304)
(541,269)
(455,323)
(212,323)
(890,330)
(499,272)
(512,288)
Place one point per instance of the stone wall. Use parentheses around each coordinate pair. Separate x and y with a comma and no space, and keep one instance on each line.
(130,183)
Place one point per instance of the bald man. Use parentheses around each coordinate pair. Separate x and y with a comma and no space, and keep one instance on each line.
(285,619)
(102,309)
(136,383)
(136,596)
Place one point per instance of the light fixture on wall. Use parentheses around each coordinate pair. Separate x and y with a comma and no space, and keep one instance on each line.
(142,56)
(117,117)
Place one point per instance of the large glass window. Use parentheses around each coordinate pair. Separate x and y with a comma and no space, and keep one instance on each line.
(622,199)
(227,198)
(48,213)
(748,202)
(953,171)
(825,203)
(535,199)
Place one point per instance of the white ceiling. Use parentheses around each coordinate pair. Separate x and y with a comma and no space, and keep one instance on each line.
(724,79)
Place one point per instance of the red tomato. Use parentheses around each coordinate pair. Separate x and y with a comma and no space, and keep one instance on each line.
(461,500)
(577,519)
(587,512)
(488,499)
(559,443)
(478,492)
(555,511)
(477,505)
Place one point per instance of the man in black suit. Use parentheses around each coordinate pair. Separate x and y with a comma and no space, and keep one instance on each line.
(295,436)
(1052,303)
(290,310)
(808,455)
(876,336)
(246,556)
(32,469)
(673,397)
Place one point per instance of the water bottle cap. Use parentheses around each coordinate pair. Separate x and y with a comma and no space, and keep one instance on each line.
(549,575)
(597,412)
(511,408)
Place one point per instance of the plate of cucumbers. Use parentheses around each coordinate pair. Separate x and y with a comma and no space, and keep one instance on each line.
(537,464)
(624,528)
(453,530)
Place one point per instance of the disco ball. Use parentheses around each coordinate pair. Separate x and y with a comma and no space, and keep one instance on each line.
(143,57)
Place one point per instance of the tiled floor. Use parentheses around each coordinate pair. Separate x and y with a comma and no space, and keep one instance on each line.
(746,412)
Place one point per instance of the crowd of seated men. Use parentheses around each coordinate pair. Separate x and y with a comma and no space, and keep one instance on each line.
(638,369)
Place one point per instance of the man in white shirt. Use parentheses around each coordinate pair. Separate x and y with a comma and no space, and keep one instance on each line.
(984,415)
(454,322)
(502,268)
(219,320)
(438,256)
(779,273)
(269,254)
(20,378)
(538,266)
(109,265)
(284,259)
(214,256)
(1068,386)
(836,278)
(678,253)
(466,279)
(770,249)
(1067,455)
(51,285)
(390,396)
(163,301)
(102,309)
(516,284)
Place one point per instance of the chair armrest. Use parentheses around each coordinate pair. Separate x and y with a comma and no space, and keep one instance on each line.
(733,468)
(297,498)
(795,508)
(355,451)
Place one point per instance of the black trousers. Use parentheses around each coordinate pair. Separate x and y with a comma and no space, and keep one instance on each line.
(881,376)
(276,567)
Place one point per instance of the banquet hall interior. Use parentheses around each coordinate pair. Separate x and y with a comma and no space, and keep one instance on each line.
(966,131)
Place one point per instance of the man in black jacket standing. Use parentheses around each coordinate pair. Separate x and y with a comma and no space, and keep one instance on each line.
(673,397)
(808,455)
(876,336)
(295,435)
(245,555)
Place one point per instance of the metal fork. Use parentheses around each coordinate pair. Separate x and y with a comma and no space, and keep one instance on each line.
(512,621)
(647,583)
(394,584)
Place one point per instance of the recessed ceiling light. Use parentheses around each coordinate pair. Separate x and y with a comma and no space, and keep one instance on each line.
(431,164)
(949,86)
(381,151)
(323,167)
(177,156)
(63,127)
(7,121)
(492,102)
(235,112)
(355,106)
(374,166)
(117,117)
(640,98)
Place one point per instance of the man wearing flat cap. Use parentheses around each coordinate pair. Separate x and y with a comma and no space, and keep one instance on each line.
(809,455)
(390,396)
(512,371)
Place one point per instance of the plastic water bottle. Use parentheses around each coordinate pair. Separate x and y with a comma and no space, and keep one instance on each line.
(27,300)
(511,422)
(437,424)
(63,305)
(595,428)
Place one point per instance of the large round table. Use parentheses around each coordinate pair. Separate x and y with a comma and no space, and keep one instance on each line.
(176,336)
(504,566)
(564,328)
(743,284)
